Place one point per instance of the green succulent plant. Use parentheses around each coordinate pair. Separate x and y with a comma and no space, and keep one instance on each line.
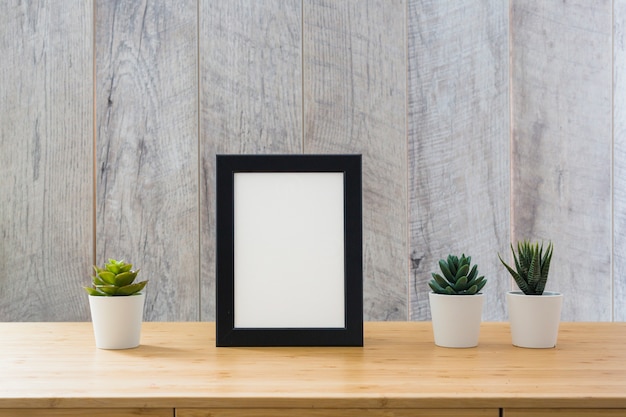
(458,278)
(532,265)
(116,278)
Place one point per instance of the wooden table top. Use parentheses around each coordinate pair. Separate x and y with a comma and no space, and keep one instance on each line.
(178,365)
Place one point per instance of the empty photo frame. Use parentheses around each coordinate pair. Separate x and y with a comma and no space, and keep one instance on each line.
(289,250)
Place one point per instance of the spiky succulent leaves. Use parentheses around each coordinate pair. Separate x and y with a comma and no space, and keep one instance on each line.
(92,291)
(457,278)
(438,284)
(446,269)
(532,266)
(545,268)
(115,279)
(475,283)
(521,283)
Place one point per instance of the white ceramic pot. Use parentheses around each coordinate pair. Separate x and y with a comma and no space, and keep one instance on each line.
(117,320)
(456,319)
(534,319)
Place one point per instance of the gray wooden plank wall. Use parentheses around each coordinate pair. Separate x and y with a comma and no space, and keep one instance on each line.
(354,102)
(562,145)
(46,158)
(480,122)
(458,143)
(619,160)
(147,148)
(250,97)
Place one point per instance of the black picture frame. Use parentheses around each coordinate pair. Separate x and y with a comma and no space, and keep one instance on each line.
(242,192)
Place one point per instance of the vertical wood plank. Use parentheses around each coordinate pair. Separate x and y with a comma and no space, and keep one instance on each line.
(250,97)
(561,151)
(458,143)
(147,150)
(355,82)
(619,158)
(46,162)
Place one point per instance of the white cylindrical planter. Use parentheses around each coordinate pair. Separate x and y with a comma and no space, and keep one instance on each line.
(534,319)
(456,319)
(117,320)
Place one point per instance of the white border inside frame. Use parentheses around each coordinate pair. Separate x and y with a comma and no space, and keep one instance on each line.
(289,250)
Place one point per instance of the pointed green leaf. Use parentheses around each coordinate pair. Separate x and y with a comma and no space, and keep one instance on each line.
(93,291)
(113,266)
(520,263)
(545,268)
(108,277)
(440,280)
(446,271)
(518,279)
(460,284)
(462,271)
(125,278)
(534,272)
(132,288)
(107,289)
(475,281)
(451,291)
(436,287)
(473,273)
(453,264)
(97,281)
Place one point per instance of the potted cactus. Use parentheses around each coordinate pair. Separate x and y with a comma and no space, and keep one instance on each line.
(455,295)
(534,314)
(116,303)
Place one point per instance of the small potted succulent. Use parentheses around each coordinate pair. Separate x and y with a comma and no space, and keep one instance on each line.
(456,302)
(534,314)
(116,303)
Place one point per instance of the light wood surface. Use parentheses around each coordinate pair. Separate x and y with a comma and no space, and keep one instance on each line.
(87,412)
(458,143)
(329,412)
(529,412)
(178,366)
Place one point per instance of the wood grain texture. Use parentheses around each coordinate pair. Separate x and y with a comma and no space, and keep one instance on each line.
(46,161)
(333,412)
(562,412)
(178,82)
(82,412)
(561,145)
(458,143)
(177,365)
(147,150)
(250,98)
(354,102)
(619,160)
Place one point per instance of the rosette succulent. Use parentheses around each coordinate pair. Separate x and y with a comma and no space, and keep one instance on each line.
(459,277)
(532,265)
(116,278)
